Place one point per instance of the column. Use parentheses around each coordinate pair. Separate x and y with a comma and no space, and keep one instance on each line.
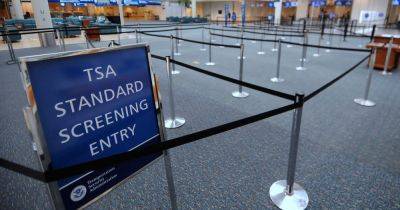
(302,9)
(121,12)
(43,20)
(278,12)
(16,10)
(194,8)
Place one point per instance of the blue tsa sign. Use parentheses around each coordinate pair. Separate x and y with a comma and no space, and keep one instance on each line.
(90,105)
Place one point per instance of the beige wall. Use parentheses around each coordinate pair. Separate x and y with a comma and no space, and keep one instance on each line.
(371,5)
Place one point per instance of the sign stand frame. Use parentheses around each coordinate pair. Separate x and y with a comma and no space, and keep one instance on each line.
(35,127)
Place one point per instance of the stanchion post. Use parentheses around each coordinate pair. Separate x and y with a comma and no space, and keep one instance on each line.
(274,49)
(177,53)
(286,194)
(290,39)
(372,33)
(240,93)
(261,50)
(365,101)
(346,26)
(387,59)
(254,34)
(140,34)
(136,36)
(222,37)
(304,53)
(170,180)
(13,58)
(210,63)
(119,29)
(241,43)
(278,65)
(59,39)
(174,71)
(173,121)
(319,45)
(202,39)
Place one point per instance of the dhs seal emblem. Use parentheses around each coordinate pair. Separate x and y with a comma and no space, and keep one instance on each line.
(78,193)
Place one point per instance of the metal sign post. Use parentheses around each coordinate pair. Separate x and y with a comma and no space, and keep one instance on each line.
(387,59)
(240,93)
(174,71)
(210,63)
(278,66)
(365,101)
(286,194)
(173,121)
(128,118)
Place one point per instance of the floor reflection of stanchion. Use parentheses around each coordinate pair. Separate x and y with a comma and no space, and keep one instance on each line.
(174,71)
(278,67)
(365,101)
(240,93)
(286,194)
(303,55)
(388,55)
(173,121)
(210,63)
(202,39)
(10,47)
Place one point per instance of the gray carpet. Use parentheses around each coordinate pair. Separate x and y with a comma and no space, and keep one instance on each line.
(348,157)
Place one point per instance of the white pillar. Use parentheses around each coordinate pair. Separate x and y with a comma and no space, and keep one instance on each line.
(121,12)
(278,12)
(194,8)
(43,20)
(16,10)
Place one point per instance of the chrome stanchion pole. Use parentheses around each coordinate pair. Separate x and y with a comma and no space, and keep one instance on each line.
(254,35)
(286,194)
(10,47)
(119,29)
(388,54)
(59,39)
(170,179)
(241,43)
(62,40)
(240,93)
(202,39)
(177,53)
(319,44)
(140,34)
(222,36)
(180,32)
(274,49)
(261,50)
(304,54)
(365,101)
(87,41)
(278,66)
(210,63)
(136,36)
(173,122)
(174,71)
(290,39)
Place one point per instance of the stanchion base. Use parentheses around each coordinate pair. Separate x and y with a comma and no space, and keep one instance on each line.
(203,49)
(261,53)
(210,63)
(386,73)
(238,94)
(316,55)
(289,46)
(283,38)
(175,72)
(212,40)
(298,200)
(174,123)
(277,79)
(253,42)
(177,54)
(274,49)
(328,50)
(221,47)
(244,57)
(303,59)
(237,44)
(364,102)
(301,68)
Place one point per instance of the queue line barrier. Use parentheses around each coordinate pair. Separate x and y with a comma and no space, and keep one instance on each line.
(282,193)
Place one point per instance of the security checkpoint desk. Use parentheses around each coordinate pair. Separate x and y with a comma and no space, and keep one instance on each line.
(381,42)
